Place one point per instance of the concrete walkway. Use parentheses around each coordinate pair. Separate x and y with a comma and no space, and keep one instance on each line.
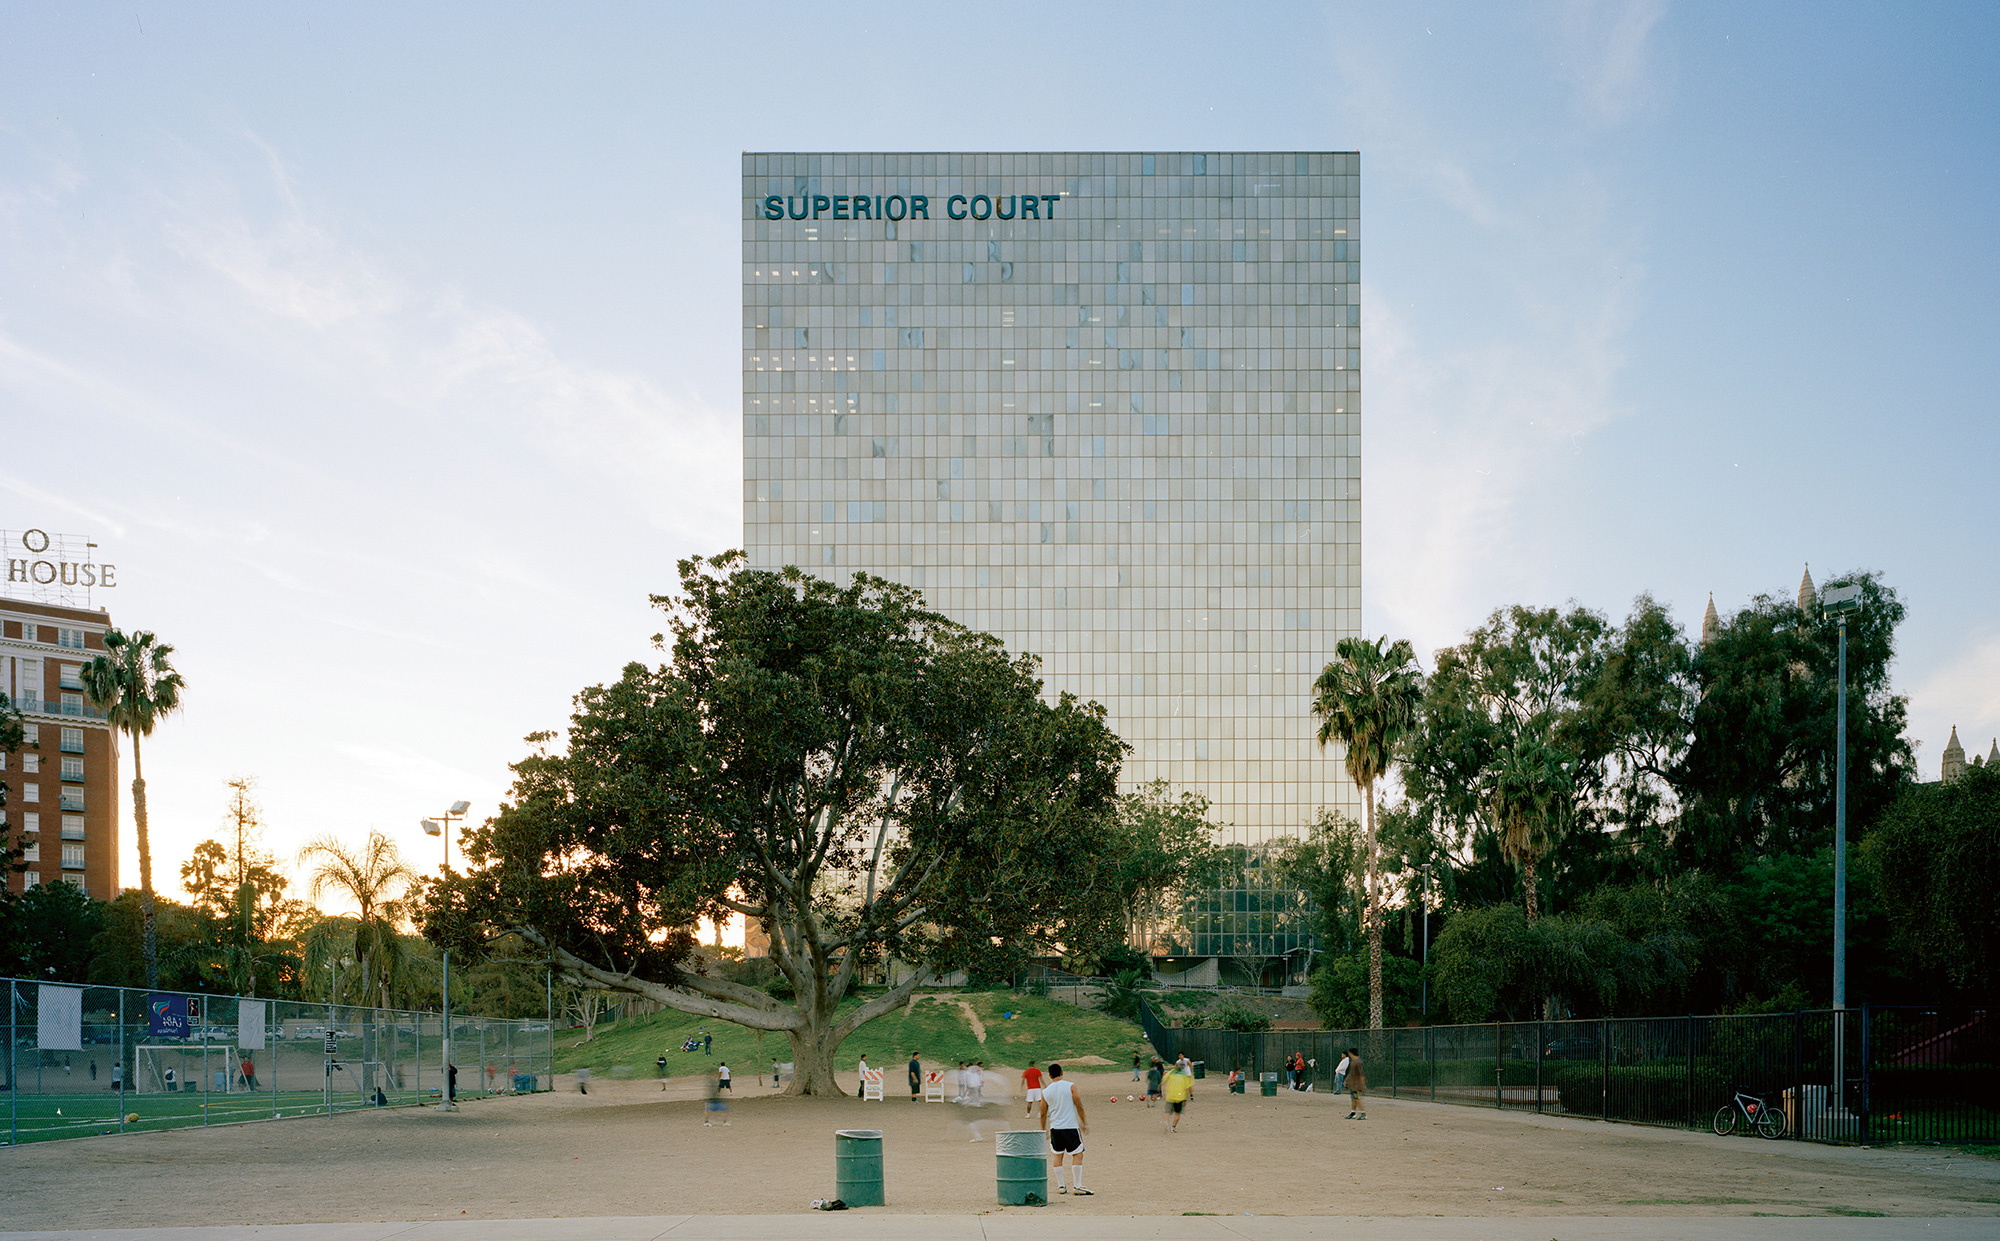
(1048,1225)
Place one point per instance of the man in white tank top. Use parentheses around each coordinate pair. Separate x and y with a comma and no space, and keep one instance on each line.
(1063,1120)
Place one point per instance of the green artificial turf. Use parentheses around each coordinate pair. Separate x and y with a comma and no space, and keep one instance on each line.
(1040,1030)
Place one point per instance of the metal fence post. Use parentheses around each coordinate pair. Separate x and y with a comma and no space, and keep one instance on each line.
(1499,1098)
(1541,1042)
(122,1070)
(1693,1116)
(1604,1069)
(13,1083)
(1866,1109)
(1431,1039)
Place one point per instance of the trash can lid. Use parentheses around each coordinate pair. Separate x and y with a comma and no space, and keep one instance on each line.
(865,1135)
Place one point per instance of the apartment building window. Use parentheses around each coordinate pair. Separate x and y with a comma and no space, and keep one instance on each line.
(31,734)
(32,851)
(28,632)
(72,741)
(72,856)
(72,827)
(31,879)
(31,821)
(31,685)
(31,792)
(72,704)
(72,769)
(71,676)
(72,799)
(31,763)
(70,638)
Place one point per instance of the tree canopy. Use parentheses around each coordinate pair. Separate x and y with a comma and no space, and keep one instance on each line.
(857,777)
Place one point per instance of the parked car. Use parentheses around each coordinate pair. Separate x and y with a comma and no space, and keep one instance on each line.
(1572,1049)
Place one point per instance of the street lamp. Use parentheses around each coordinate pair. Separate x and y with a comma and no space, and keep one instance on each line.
(440,827)
(1840,602)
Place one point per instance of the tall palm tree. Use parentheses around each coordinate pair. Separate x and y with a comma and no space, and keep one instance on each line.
(377,880)
(135,687)
(1367,699)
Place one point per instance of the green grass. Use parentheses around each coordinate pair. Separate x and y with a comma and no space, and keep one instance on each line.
(43,1117)
(1984,1152)
(1041,1030)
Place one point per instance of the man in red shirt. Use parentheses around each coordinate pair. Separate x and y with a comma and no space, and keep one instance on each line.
(1031,1078)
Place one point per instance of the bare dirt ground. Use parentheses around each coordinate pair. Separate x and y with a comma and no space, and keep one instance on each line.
(631,1148)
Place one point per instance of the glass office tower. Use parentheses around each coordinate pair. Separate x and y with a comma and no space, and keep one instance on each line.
(1106,407)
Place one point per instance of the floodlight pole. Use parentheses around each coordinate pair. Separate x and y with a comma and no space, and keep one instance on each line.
(442,827)
(1427,941)
(1840,601)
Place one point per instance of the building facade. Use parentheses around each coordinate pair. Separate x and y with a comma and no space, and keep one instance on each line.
(62,785)
(1106,407)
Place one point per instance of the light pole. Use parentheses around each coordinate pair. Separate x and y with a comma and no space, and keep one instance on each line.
(441,826)
(1840,602)
(1427,941)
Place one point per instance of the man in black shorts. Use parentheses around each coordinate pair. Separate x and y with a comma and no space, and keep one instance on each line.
(1063,1120)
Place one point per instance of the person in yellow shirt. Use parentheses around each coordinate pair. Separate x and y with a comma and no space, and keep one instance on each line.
(1178,1086)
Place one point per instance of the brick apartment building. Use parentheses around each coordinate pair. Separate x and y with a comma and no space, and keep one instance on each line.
(62,785)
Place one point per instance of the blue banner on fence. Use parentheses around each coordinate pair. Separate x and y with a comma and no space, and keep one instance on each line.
(167,1016)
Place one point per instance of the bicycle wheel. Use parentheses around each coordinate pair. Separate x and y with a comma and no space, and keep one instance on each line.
(1725,1121)
(1771,1123)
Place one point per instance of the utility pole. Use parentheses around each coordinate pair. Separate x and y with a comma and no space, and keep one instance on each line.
(1839,602)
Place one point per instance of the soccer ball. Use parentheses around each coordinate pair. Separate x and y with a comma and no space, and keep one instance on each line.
(1114,1098)
(1131,1098)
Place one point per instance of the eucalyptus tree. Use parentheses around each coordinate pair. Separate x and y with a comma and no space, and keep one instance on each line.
(1367,699)
(135,685)
(856,777)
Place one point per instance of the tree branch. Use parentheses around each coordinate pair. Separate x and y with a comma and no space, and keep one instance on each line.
(887,1002)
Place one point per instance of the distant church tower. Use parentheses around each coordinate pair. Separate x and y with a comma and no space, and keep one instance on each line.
(1808,597)
(1954,757)
(1711,624)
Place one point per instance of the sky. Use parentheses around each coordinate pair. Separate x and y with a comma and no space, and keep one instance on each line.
(391,350)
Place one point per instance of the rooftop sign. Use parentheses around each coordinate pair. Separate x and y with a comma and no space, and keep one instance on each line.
(53,568)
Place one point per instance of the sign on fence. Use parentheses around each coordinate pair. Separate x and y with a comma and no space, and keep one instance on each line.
(59,1018)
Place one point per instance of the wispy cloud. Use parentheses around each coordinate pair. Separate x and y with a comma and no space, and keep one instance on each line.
(1609,55)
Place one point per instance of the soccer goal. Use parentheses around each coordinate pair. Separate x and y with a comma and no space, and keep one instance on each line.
(173,1068)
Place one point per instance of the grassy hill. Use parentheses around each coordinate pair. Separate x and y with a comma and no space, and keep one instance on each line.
(937,1026)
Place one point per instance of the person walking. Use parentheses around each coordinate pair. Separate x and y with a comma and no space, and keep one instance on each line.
(1153,1076)
(707,1041)
(722,1076)
(1179,1088)
(1357,1084)
(1135,1066)
(975,1085)
(118,1076)
(916,1068)
(713,1106)
(93,1070)
(1066,1125)
(861,1080)
(1031,1087)
(582,1080)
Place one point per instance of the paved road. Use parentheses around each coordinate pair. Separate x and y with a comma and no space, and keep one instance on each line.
(1048,1225)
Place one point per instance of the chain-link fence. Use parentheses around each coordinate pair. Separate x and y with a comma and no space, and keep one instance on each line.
(1855,1075)
(90,1060)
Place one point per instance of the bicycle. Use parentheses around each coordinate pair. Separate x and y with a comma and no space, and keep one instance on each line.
(1755,1114)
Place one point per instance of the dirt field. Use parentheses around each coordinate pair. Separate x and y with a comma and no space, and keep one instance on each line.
(629,1148)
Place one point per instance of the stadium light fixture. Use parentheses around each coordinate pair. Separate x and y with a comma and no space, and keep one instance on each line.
(431,827)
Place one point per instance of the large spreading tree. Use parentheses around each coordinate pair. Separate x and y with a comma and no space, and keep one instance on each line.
(855,776)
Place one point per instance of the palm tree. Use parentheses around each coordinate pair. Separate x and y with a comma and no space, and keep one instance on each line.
(376,879)
(1367,700)
(135,687)
(1528,788)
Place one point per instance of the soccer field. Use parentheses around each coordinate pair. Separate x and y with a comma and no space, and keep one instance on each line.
(42,1117)
(629,1148)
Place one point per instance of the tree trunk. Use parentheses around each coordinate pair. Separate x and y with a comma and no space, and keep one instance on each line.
(1373,918)
(1528,890)
(149,938)
(813,1069)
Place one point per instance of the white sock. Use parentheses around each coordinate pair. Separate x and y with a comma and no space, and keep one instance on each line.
(1062,1175)
(1079,1176)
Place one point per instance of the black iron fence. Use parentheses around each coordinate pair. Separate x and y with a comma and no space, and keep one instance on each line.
(1856,1075)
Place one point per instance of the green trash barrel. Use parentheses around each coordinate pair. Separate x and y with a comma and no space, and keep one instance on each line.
(1022,1167)
(857,1167)
(1269,1084)
(1201,1068)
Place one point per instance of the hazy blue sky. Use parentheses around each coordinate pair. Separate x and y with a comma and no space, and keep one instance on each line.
(392,350)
